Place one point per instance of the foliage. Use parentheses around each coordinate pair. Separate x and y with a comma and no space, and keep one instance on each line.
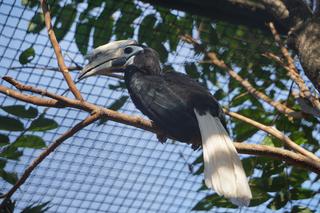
(9,207)
(11,148)
(272,182)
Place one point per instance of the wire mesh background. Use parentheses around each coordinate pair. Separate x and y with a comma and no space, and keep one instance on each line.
(107,168)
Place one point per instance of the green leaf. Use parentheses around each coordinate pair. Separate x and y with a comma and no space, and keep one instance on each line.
(116,105)
(10,124)
(279,201)
(29,3)
(192,70)
(203,187)
(21,111)
(301,209)
(36,208)
(299,137)
(301,193)
(146,26)
(29,141)
(10,177)
(243,131)
(124,27)
(43,124)
(239,99)
(259,196)
(298,176)
(198,160)
(26,56)
(4,140)
(64,21)
(11,152)
(82,35)
(271,141)
(199,170)
(270,184)
(36,23)
(3,163)
(219,94)
(102,29)
(211,201)
(249,165)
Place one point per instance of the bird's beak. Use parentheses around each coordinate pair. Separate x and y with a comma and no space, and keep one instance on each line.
(107,59)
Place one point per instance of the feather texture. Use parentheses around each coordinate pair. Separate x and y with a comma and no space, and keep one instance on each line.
(223,169)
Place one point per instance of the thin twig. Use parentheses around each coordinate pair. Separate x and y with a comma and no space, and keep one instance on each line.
(246,84)
(57,50)
(72,68)
(90,119)
(148,125)
(292,71)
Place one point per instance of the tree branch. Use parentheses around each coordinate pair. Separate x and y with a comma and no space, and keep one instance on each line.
(148,125)
(276,133)
(57,51)
(292,71)
(246,84)
(90,119)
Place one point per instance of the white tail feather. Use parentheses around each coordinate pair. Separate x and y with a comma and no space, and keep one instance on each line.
(223,169)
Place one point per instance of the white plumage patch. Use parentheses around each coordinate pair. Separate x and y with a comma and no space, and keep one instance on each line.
(223,171)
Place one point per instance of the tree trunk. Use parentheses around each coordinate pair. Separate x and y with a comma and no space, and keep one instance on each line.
(306,42)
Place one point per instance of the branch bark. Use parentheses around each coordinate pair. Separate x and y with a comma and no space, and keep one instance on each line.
(57,51)
(276,133)
(292,71)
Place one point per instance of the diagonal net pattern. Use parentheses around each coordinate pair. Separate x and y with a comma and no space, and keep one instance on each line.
(103,168)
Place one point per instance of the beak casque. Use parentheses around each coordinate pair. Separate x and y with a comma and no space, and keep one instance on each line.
(104,58)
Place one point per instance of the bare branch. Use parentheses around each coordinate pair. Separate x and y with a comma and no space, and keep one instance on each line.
(282,154)
(57,50)
(90,119)
(292,71)
(276,133)
(29,98)
(246,84)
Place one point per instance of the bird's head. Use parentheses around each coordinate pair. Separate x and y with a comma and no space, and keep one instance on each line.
(118,56)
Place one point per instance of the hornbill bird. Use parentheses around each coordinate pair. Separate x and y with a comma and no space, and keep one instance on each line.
(181,107)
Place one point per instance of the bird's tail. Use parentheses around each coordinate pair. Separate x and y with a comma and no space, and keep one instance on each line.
(223,169)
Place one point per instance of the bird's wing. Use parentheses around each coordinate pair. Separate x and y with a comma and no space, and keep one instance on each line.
(166,104)
(200,96)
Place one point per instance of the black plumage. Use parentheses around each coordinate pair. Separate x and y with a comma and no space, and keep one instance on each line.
(169,98)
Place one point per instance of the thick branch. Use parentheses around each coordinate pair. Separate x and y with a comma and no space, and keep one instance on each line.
(50,149)
(57,50)
(141,123)
(246,84)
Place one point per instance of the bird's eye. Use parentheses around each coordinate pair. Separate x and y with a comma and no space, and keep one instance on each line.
(128,50)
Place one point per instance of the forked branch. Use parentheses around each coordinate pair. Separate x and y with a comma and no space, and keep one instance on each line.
(246,84)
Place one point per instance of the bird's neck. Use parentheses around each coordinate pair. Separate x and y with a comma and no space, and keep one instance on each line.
(130,74)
